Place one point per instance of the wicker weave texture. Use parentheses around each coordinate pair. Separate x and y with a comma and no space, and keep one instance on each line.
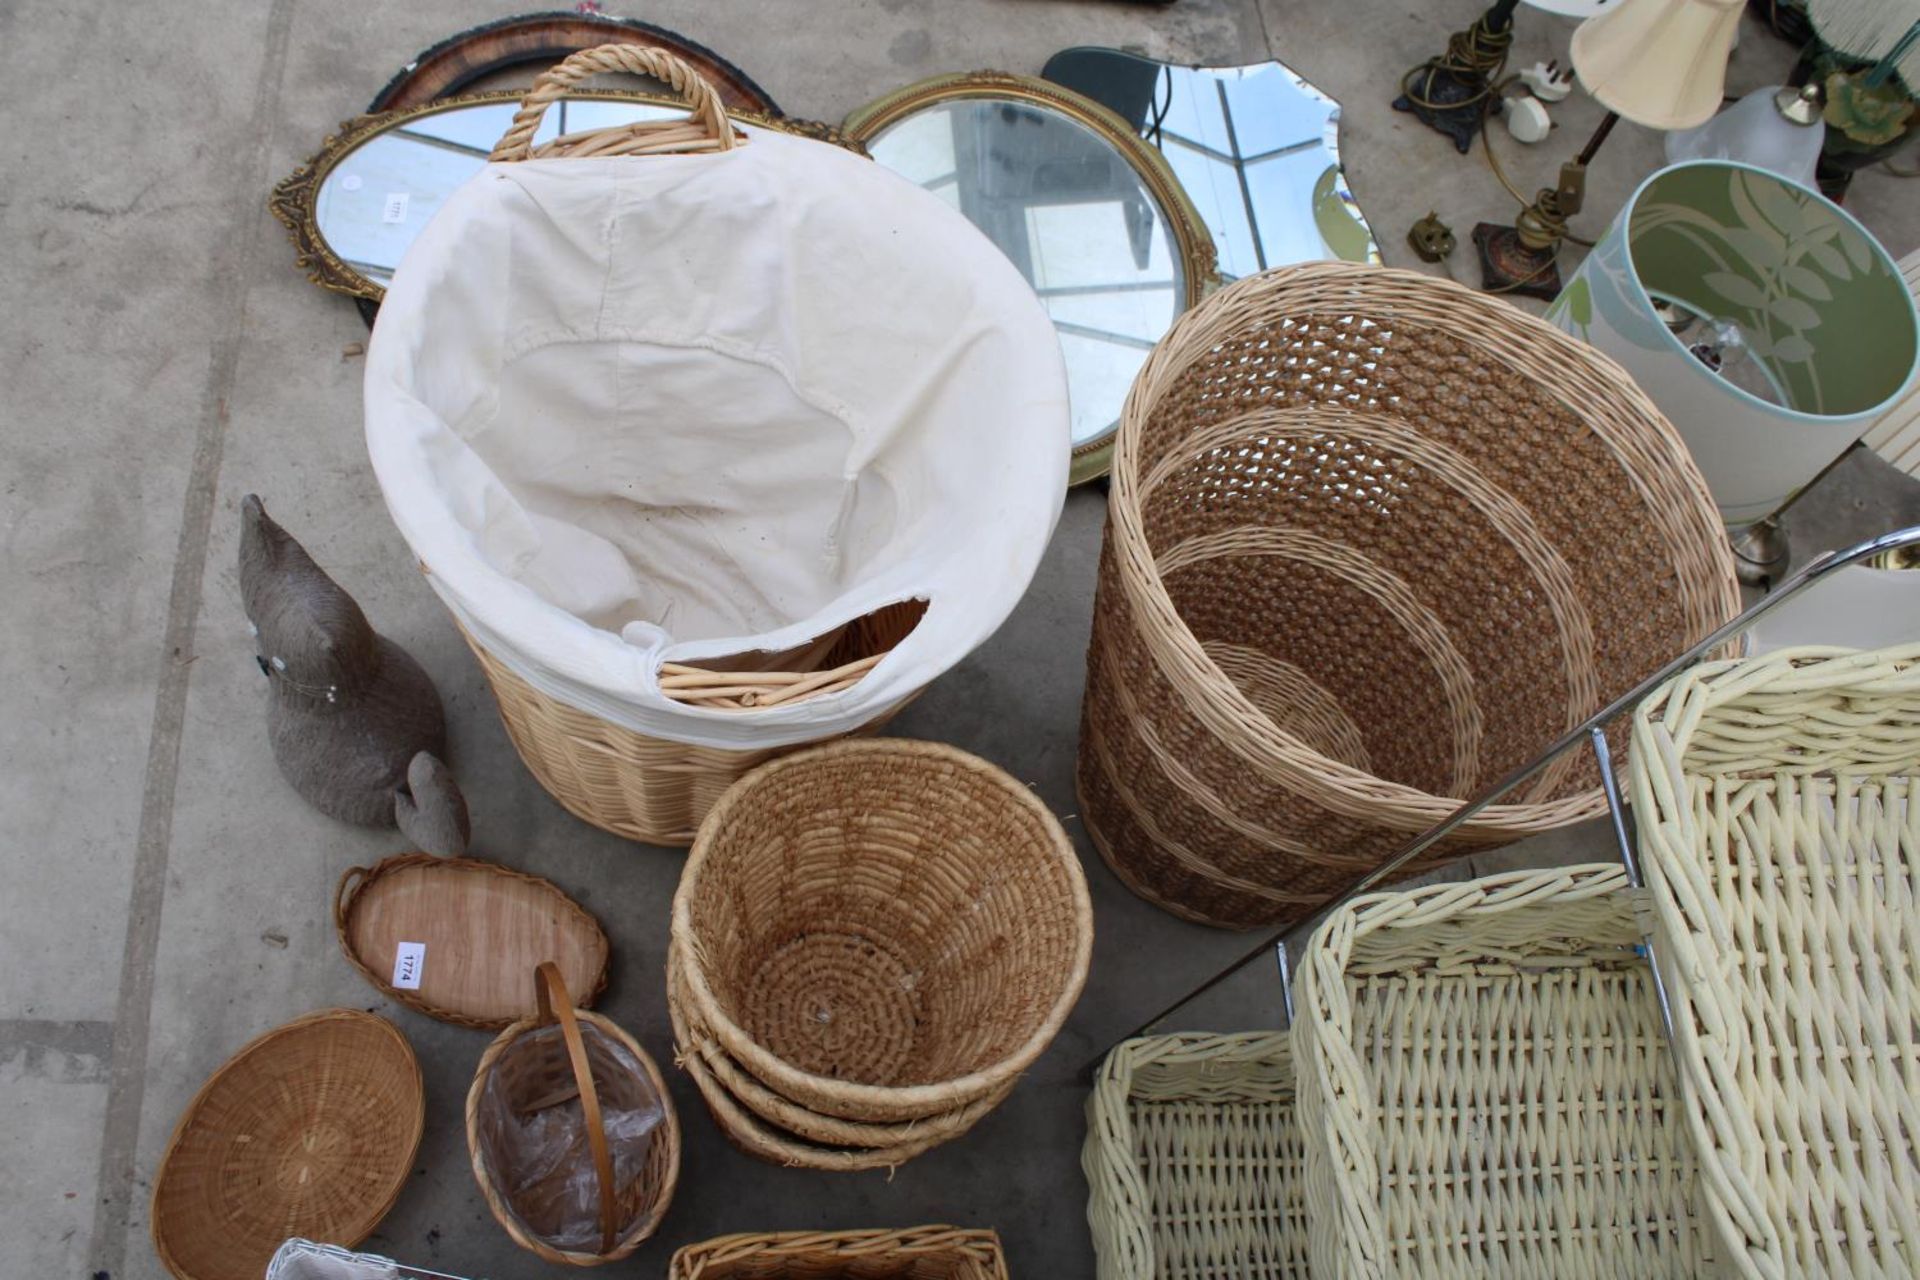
(1780,829)
(538,1071)
(765,1124)
(882,930)
(642,788)
(1193,1160)
(484,927)
(1373,540)
(310,1130)
(916,1253)
(1486,1090)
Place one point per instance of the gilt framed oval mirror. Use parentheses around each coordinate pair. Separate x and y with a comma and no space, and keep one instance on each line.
(1093,217)
(355,207)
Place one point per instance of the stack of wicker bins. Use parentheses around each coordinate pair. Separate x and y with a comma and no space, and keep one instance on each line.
(1374,540)
(916,1253)
(1780,831)
(1483,1088)
(871,941)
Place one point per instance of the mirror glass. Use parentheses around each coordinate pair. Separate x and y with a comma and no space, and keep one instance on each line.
(1070,211)
(1254,147)
(377,197)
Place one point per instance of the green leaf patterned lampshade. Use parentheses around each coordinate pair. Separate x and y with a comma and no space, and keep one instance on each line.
(1795,329)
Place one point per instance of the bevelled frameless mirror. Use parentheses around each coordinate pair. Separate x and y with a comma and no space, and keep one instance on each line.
(353,209)
(1091,215)
(1254,146)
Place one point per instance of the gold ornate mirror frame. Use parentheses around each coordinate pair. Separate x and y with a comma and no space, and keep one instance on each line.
(296,198)
(1198,263)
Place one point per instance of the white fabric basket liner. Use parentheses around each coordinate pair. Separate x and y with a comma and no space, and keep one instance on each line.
(635,410)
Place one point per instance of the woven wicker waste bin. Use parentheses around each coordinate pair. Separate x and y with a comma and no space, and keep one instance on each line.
(763,1124)
(544,1068)
(1485,1087)
(1374,540)
(879,932)
(915,1253)
(715,441)
(311,1129)
(1193,1160)
(1778,804)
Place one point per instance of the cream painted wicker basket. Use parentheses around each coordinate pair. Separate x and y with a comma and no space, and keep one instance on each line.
(1193,1160)
(1780,834)
(1486,1089)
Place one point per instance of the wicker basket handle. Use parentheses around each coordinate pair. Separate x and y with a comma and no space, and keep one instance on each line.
(556,1006)
(712,130)
(343,895)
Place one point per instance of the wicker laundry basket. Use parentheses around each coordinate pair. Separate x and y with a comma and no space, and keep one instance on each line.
(1374,540)
(309,1130)
(1778,803)
(1485,1087)
(882,931)
(663,598)
(915,1253)
(602,1066)
(1193,1160)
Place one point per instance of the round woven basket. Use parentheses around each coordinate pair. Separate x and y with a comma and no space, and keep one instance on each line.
(882,931)
(780,1132)
(585,1062)
(691,1039)
(1373,541)
(310,1130)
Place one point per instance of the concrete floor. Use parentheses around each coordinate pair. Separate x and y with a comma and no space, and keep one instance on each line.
(165,896)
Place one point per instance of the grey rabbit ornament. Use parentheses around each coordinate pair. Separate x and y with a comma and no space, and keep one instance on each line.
(350,709)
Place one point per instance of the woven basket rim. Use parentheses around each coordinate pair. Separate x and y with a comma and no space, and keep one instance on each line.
(1700,949)
(765,1142)
(882,1101)
(157,1222)
(1214,698)
(771,1106)
(347,899)
(1116,1187)
(642,1227)
(982,1243)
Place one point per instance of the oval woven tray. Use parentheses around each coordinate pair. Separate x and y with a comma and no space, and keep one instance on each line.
(310,1130)
(485,928)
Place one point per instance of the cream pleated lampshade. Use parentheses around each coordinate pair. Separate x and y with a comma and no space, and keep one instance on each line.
(1660,63)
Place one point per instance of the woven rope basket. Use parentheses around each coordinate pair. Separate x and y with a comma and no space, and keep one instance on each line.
(882,931)
(1780,830)
(1374,540)
(1486,1089)
(916,1253)
(644,788)
(584,1062)
(789,1117)
(1193,1160)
